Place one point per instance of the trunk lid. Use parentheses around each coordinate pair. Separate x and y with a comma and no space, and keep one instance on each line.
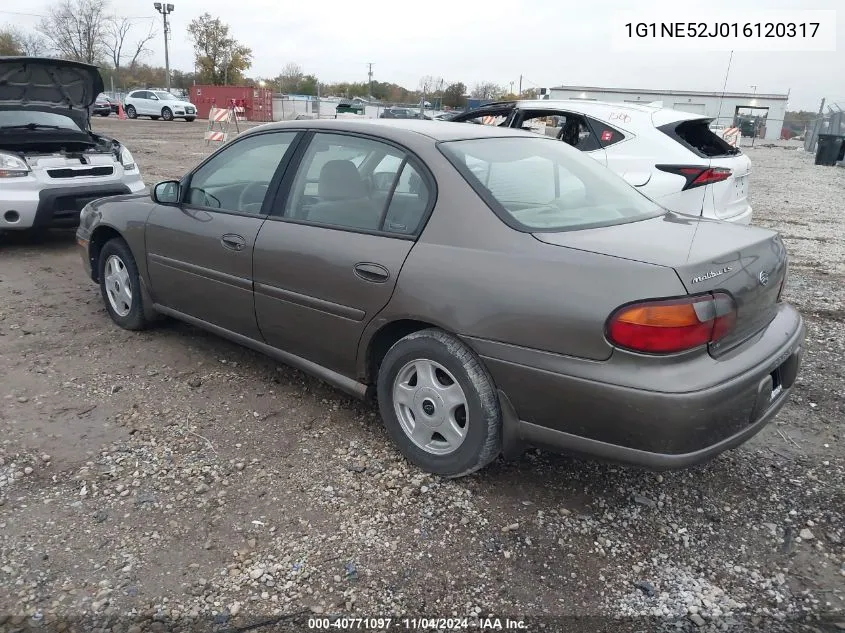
(49,85)
(747,262)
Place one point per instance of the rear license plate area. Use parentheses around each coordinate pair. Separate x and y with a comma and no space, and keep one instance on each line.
(777,385)
(741,186)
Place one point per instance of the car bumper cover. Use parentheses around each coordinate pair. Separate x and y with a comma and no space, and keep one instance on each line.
(654,428)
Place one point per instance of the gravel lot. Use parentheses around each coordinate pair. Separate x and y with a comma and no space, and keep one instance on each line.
(171,480)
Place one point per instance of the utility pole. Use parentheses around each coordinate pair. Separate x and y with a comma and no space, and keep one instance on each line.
(165,9)
(370,74)
(511,90)
(520,87)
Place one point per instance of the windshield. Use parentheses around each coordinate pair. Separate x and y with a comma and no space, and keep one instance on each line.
(17,118)
(538,184)
(165,96)
(102,97)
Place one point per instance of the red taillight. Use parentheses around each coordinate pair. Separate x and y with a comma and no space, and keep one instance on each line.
(673,325)
(697,176)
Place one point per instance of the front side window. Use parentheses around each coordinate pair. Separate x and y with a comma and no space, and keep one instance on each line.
(237,178)
(357,183)
(536,184)
(164,95)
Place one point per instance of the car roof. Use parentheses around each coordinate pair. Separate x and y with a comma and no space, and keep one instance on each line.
(639,112)
(399,128)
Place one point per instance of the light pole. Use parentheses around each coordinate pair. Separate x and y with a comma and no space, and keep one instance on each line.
(165,10)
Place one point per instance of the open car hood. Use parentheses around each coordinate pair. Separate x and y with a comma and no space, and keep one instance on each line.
(49,85)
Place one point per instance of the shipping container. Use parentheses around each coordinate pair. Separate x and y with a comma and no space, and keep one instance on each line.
(256,102)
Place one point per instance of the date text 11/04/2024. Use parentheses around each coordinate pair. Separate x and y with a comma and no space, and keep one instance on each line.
(422,624)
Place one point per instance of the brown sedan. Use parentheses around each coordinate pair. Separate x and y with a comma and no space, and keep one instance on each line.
(492,288)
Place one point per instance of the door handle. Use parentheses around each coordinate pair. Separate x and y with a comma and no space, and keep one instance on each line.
(233,242)
(375,273)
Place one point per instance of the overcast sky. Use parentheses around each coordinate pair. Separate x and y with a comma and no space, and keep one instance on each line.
(548,42)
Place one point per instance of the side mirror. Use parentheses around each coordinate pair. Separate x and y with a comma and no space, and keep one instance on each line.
(166,192)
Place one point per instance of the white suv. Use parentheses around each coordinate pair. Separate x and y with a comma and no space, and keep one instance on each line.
(158,104)
(670,156)
(51,163)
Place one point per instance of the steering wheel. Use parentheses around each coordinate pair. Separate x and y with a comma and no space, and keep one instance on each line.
(252,207)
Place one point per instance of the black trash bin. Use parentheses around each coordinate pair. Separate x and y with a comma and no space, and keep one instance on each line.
(831,148)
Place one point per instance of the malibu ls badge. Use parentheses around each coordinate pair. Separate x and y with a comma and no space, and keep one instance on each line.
(711,274)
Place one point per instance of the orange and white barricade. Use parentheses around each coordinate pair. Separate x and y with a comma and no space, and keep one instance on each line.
(219,120)
(731,136)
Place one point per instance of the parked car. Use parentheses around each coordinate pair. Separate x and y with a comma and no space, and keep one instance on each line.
(158,104)
(51,163)
(398,113)
(102,105)
(671,156)
(489,287)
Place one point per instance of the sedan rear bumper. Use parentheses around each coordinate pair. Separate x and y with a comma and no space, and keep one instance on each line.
(660,423)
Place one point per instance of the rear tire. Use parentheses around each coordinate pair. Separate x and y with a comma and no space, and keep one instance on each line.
(131,113)
(166,114)
(120,285)
(439,404)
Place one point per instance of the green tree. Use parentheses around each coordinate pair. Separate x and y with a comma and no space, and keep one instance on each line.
(10,43)
(220,58)
(453,95)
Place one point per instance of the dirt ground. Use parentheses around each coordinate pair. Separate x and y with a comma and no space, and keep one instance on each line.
(170,480)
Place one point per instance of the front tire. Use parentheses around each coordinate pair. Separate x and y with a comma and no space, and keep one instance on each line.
(167,114)
(189,119)
(120,285)
(131,112)
(439,404)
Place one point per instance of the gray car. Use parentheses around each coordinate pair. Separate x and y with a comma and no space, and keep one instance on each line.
(493,289)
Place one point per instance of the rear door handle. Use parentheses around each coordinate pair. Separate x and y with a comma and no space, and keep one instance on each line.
(233,242)
(376,273)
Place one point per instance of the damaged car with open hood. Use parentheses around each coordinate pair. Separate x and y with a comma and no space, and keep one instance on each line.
(51,162)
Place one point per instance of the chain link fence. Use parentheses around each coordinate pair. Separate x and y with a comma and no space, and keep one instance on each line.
(833,122)
(287,108)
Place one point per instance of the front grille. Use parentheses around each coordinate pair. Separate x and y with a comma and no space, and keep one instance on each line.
(78,173)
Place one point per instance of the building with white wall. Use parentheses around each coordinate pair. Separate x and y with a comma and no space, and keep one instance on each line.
(724,108)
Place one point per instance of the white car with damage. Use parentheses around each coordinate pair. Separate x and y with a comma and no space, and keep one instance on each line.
(671,156)
(51,163)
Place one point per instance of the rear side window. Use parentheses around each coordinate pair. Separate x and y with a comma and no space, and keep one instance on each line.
(697,136)
(535,184)
(607,135)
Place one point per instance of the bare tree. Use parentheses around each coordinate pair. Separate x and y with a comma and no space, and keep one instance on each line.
(290,77)
(76,29)
(432,85)
(486,90)
(14,41)
(32,44)
(117,39)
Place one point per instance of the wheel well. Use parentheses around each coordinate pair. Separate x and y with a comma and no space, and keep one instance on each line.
(385,338)
(101,235)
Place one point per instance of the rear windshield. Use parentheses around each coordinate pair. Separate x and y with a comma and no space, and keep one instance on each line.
(698,136)
(536,184)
